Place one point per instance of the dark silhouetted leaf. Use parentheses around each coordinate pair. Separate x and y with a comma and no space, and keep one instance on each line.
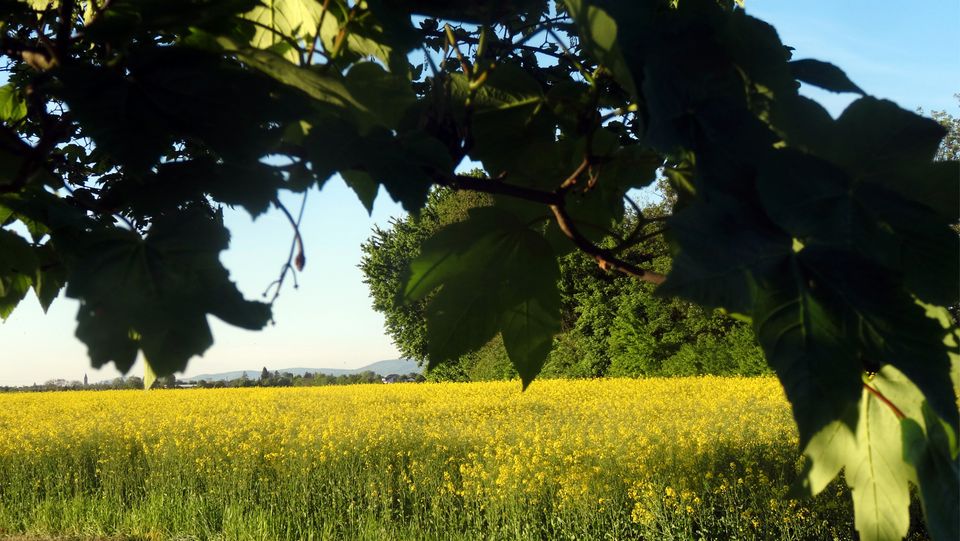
(804,342)
(154,293)
(823,74)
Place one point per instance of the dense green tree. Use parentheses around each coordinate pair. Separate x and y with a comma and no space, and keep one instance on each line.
(121,137)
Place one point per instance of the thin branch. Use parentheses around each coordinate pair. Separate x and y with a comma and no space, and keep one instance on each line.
(316,38)
(555,200)
(604,258)
(633,240)
(296,259)
(547,22)
(496,186)
(500,45)
(571,180)
(573,59)
(464,65)
(97,208)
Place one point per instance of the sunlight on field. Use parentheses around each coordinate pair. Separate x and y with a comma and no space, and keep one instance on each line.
(661,458)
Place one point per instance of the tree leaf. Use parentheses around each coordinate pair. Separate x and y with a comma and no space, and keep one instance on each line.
(461,317)
(877,475)
(933,454)
(280,22)
(321,87)
(819,203)
(155,293)
(12,107)
(528,329)
(824,75)
(50,277)
(458,248)
(18,264)
(492,247)
(598,35)
(386,95)
(805,343)
(894,147)
(505,115)
(719,245)
(889,326)
(363,185)
(116,114)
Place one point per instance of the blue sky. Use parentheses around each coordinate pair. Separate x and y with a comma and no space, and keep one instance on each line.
(906,52)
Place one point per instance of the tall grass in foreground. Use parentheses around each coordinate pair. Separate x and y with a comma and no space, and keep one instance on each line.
(651,459)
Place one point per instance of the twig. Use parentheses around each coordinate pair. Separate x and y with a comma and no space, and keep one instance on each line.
(464,65)
(604,258)
(571,180)
(296,259)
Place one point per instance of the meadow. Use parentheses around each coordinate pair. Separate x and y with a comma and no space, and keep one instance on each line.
(682,458)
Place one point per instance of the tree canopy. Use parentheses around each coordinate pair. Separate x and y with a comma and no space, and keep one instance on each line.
(127,124)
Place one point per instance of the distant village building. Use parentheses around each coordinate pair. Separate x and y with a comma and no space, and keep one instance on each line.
(84,380)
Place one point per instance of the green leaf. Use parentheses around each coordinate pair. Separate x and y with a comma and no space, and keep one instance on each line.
(933,454)
(149,375)
(363,185)
(528,330)
(720,245)
(461,317)
(455,249)
(281,21)
(506,116)
(154,294)
(323,88)
(18,264)
(404,164)
(893,147)
(598,35)
(108,336)
(387,96)
(818,202)
(804,124)
(888,325)
(493,248)
(824,75)
(877,474)
(136,135)
(873,454)
(12,107)
(122,19)
(827,452)
(806,345)
(50,277)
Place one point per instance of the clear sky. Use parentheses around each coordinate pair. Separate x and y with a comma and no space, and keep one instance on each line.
(904,51)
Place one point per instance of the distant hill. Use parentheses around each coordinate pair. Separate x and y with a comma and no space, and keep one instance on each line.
(383,368)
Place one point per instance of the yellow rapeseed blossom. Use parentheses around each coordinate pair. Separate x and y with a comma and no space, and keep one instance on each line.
(649,451)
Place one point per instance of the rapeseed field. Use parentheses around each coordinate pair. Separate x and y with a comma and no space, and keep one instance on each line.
(684,458)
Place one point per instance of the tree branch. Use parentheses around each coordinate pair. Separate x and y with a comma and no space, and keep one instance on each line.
(296,260)
(604,257)
(496,186)
(555,200)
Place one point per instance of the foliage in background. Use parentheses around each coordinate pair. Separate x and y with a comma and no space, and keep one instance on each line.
(127,124)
